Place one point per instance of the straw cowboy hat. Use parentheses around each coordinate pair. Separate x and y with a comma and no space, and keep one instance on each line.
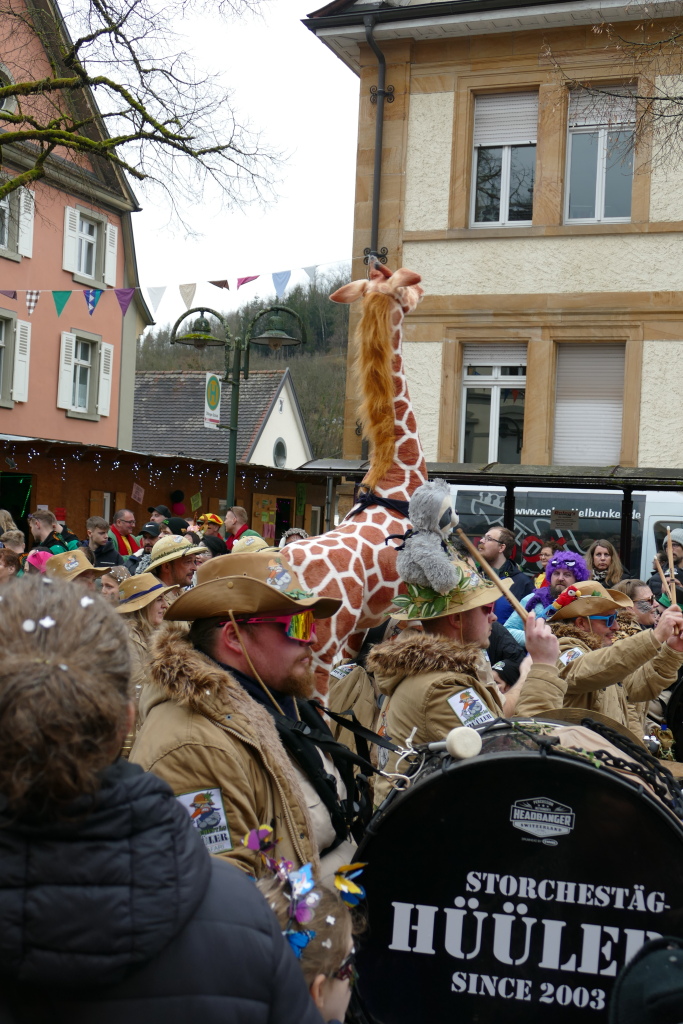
(251,544)
(248,584)
(471,591)
(170,547)
(588,598)
(67,565)
(139,591)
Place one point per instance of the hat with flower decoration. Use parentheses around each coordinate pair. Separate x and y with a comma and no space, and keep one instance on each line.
(470,591)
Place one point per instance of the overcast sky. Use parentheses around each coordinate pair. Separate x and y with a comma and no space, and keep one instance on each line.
(306,103)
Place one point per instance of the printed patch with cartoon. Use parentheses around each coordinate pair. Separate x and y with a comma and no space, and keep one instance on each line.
(470,708)
(571,655)
(207,815)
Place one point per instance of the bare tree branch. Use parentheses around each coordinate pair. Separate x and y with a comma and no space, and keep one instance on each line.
(109,83)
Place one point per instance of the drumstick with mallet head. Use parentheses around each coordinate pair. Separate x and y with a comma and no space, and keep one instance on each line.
(477,555)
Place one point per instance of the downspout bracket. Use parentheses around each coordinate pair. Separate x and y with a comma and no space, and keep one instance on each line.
(373,256)
(388,93)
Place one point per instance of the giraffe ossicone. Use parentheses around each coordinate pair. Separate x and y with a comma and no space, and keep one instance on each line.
(352,561)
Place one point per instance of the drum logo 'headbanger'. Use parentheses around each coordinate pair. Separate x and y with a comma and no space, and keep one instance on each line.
(541,816)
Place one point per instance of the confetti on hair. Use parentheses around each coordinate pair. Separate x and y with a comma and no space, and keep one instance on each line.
(85,601)
(47,622)
(28,625)
(330,920)
(64,668)
(327,943)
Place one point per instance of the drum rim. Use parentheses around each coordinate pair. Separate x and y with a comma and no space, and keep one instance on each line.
(610,774)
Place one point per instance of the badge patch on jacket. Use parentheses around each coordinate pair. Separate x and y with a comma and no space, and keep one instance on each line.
(470,708)
(207,815)
(342,670)
(571,655)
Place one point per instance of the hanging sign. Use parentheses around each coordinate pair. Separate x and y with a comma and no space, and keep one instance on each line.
(137,493)
(196,501)
(564,519)
(212,401)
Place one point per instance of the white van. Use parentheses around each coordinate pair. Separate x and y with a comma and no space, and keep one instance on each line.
(599,514)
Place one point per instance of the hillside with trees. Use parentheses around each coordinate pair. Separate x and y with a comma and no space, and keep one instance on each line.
(318,369)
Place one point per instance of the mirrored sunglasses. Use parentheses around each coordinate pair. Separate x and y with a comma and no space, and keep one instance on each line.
(609,620)
(299,627)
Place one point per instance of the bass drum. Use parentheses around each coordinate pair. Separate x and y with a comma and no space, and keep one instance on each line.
(515,885)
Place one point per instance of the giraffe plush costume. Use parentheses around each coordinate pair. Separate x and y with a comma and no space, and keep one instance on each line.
(352,562)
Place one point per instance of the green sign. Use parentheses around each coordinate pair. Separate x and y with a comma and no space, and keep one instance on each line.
(300,499)
(212,401)
(196,501)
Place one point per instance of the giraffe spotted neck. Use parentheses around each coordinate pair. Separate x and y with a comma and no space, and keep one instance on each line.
(409,469)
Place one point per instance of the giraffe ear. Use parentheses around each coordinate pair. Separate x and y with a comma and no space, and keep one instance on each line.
(350,292)
(402,278)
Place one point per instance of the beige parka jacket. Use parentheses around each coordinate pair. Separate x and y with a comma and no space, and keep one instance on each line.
(422,674)
(589,674)
(200,730)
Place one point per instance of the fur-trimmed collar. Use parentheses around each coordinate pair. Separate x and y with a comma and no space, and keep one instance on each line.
(183,673)
(422,652)
(569,631)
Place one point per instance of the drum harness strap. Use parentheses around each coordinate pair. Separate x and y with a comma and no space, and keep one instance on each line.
(301,738)
(646,767)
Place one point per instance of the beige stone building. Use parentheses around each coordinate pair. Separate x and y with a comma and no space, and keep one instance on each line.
(550,245)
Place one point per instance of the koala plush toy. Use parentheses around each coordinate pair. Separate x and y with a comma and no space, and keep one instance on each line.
(425,560)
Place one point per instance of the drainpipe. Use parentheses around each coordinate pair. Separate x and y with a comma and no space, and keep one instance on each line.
(378,94)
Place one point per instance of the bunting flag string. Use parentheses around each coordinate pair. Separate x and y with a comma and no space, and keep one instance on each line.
(60,300)
(155,294)
(92,296)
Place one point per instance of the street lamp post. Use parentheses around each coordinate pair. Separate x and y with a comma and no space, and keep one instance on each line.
(273,335)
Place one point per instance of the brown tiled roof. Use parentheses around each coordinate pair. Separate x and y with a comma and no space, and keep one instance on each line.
(168,418)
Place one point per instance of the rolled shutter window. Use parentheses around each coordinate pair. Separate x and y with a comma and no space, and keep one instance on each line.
(589,402)
(506,119)
(616,106)
(494,355)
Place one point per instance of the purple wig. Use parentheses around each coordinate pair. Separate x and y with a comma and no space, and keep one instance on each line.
(560,560)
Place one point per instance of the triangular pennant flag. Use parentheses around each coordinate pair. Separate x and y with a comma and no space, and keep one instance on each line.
(125,297)
(246,280)
(10,295)
(32,300)
(280,282)
(187,293)
(220,284)
(61,299)
(156,295)
(311,271)
(92,297)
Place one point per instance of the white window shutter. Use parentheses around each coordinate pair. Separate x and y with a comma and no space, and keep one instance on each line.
(494,355)
(106,372)
(110,246)
(26,211)
(70,251)
(506,119)
(592,108)
(589,401)
(66,370)
(22,356)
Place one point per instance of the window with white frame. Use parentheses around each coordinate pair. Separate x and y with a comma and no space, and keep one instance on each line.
(15,351)
(16,224)
(90,247)
(589,403)
(82,365)
(505,128)
(600,156)
(86,366)
(87,246)
(493,395)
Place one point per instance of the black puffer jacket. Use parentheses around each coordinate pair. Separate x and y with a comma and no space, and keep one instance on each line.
(105,554)
(122,917)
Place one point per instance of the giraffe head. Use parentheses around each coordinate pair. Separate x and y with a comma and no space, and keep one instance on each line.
(403,286)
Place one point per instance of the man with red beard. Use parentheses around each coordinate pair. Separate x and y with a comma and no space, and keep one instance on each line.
(226,716)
